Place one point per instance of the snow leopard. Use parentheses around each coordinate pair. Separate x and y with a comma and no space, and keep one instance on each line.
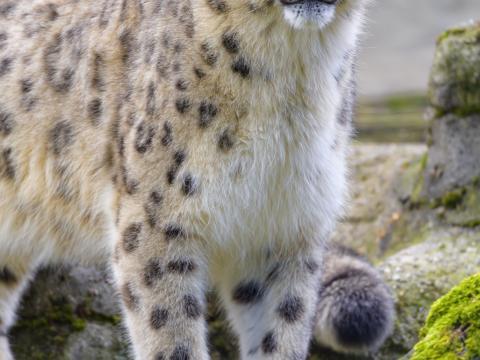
(191,143)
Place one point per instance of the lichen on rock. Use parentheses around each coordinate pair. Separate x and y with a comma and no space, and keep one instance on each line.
(423,272)
(69,313)
(454,96)
(452,330)
(456,71)
(464,206)
(446,179)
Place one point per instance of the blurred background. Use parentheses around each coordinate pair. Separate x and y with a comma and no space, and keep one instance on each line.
(395,62)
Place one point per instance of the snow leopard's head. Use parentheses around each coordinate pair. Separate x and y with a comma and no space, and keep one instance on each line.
(318,13)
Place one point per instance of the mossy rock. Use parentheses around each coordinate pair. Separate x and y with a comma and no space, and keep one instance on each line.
(464,206)
(452,330)
(455,76)
(454,130)
(411,183)
(375,223)
(453,153)
(421,274)
(69,313)
(455,206)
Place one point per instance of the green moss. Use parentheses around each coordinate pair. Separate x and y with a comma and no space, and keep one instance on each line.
(85,310)
(411,183)
(53,327)
(471,223)
(420,180)
(476,181)
(466,212)
(455,78)
(55,323)
(452,330)
(223,343)
(453,198)
(462,205)
(472,32)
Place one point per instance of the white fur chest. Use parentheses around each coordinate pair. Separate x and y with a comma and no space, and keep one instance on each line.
(287,181)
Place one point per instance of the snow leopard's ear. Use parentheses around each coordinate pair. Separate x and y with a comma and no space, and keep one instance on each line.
(356,307)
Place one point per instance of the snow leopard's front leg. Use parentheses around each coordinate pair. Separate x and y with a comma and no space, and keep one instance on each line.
(161,278)
(271,303)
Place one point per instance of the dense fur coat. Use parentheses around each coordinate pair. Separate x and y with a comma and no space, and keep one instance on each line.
(201,142)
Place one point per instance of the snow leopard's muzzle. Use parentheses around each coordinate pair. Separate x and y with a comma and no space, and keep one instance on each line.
(314,12)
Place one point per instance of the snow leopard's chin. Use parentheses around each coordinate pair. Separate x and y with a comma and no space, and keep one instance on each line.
(308,13)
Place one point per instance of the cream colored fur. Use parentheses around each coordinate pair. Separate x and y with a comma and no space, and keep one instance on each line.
(264,195)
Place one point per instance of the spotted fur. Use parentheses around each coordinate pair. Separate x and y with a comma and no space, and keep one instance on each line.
(204,139)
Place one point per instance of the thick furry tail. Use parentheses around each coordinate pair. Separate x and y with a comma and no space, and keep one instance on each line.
(356,307)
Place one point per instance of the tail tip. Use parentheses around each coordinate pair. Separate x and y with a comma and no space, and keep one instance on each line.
(356,313)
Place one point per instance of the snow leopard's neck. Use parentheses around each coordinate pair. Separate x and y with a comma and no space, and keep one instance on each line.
(299,68)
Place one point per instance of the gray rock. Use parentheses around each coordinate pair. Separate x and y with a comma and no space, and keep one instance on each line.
(99,342)
(421,274)
(374,207)
(455,119)
(67,311)
(453,160)
(455,72)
